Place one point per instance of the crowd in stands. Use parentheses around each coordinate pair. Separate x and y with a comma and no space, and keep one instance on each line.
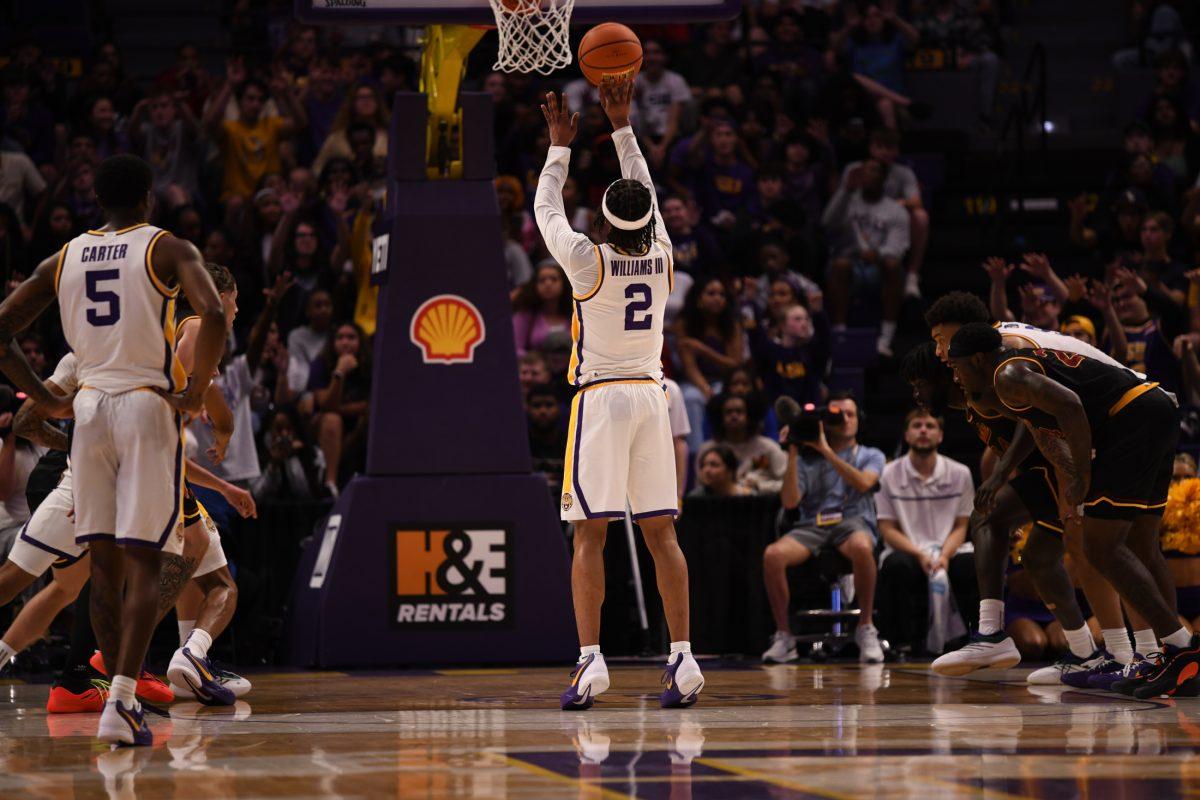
(778,145)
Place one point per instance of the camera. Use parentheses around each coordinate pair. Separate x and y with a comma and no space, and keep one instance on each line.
(807,426)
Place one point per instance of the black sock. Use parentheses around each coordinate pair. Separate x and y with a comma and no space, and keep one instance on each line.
(76,672)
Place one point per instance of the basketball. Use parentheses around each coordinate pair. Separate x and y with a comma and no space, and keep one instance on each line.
(609,49)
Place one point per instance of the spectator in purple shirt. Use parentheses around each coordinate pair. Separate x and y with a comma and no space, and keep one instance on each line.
(726,186)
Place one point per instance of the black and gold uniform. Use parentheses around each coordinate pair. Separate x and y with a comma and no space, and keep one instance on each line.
(191,508)
(1034,482)
(1134,425)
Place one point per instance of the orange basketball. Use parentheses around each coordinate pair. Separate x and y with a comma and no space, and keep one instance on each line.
(609,49)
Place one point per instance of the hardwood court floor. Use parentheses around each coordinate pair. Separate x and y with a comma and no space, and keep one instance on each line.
(833,731)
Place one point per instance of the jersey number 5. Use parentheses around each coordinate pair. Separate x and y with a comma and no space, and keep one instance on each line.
(638,306)
(111,300)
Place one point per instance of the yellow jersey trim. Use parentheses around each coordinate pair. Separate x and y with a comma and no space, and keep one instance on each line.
(62,256)
(117,233)
(599,279)
(1001,366)
(1120,504)
(161,287)
(1130,396)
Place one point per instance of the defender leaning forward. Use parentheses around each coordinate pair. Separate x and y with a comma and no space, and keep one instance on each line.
(619,439)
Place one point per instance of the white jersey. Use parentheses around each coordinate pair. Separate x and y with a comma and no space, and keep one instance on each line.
(1053,340)
(118,317)
(620,299)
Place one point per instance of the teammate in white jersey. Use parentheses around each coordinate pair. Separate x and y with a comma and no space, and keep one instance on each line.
(991,535)
(619,444)
(116,289)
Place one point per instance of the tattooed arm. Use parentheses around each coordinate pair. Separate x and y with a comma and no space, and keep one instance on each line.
(1018,386)
(30,423)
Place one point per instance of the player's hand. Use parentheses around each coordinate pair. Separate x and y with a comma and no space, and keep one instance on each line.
(189,402)
(562,123)
(62,407)
(616,94)
(241,500)
(985,497)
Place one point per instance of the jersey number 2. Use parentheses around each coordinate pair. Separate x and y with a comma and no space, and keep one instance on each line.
(111,300)
(638,306)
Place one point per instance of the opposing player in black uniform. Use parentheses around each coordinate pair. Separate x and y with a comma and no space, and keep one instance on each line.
(1029,496)
(1073,405)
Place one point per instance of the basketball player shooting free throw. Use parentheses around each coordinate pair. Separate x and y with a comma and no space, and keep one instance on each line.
(619,440)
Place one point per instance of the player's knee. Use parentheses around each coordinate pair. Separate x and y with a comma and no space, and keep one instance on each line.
(1099,552)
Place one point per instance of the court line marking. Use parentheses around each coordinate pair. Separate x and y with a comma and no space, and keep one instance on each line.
(984,791)
(534,769)
(764,777)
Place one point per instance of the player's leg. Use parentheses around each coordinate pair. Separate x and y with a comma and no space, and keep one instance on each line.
(40,611)
(13,581)
(594,470)
(187,609)
(859,550)
(652,497)
(191,660)
(790,550)
(107,580)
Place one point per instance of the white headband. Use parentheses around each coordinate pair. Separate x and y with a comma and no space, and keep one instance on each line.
(625,224)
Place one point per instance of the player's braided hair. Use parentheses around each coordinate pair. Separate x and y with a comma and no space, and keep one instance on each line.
(961,308)
(921,363)
(629,200)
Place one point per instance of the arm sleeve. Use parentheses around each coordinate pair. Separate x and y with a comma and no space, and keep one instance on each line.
(633,167)
(573,251)
(872,460)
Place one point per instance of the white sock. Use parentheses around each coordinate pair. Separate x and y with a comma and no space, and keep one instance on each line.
(7,651)
(688,676)
(1081,642)
(991,616)
(1145,642)
(887,331)
(1116,642)
(680,647)
(590,650)
(124,689)
(199,642)
(1180,638)
(185,628)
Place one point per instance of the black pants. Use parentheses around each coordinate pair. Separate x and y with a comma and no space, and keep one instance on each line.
(902,597)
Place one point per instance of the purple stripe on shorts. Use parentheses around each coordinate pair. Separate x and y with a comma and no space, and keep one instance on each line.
(575,461)
(178,471)
(25,537)
(662,512)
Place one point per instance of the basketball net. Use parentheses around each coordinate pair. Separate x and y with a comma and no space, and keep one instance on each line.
(534,35)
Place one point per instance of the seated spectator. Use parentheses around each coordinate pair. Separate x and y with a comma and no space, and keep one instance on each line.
(1157,267)
(725,183)
(923,504)
(806,171)
(305,343)
(1162,33)
(21,185)
(1172,78)
(716,473)
(795,362)
(54,227)
(709,340)
(297,248)
(340,382)
(547,437)
(775,263)
(661,96)
(829,492)
(1151,321)
(532,371)
(736,422)
(960,31)
(542,305)
(293,467)
(696,253)
(871,234)
(77,189)
(102,122)
(875,43)
(900,184)
(363,104)
(24,119)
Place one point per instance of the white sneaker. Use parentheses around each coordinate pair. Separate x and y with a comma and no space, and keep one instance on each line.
(912,285)
(867,639)
(782,649)
(230,680)
(983,652)
(1067,665)
(588,679)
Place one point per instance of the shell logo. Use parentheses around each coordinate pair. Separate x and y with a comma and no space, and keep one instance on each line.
(447,329)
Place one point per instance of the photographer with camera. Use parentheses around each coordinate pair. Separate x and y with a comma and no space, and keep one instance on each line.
(827,486)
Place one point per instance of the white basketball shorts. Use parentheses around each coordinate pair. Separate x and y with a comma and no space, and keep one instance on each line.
(127,460)
(48,538)
(214,556)
(619,446)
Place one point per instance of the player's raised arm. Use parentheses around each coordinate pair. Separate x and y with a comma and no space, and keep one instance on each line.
(17,311)
(179,259)
(573,250)
(615,98)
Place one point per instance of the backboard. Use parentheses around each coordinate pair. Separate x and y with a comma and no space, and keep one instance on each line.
(477,12)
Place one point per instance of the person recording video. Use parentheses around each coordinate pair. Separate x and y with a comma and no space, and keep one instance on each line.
(827,489)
